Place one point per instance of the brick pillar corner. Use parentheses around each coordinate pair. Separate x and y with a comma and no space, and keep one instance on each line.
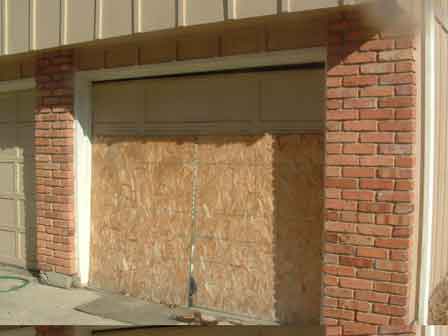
(370,179)
(54,140)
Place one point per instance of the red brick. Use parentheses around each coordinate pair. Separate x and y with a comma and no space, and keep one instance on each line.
(374,230)
(337,292)
(360,81)
(393,243)
(377,137)
(378,91)
(371,296)
(354,283)
(406,138)
(339,270)
(334,82)
(377,161)
(342,160)
(358,172)
(371,252)
(352,239)
(361,103)
(397,55)
(375,207)
(395,196)
(361,329)
(378,45)
(377,184)
(373,275)
(405,162)
(377,68)
(362,125)
(359,149)
(338,313)
(329,302)
(401,101)
(357,217)
(333,148)
(358,195)
(342,115)
(384,287)
(397,125)
(393,220)
(356,262)
(339,137)
(372,318)
(360,57)
(390,149)
(343,70)
(392,266)
(342,183)
(354,305)
(337,248)
(406,90)
(342,93)
(402,232)
(340,204)
(398,300)
(405,67)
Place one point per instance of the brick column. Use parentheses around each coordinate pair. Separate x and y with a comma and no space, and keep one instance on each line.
(54,136)
(370,179)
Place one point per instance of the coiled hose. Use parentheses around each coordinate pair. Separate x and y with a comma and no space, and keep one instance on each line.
(24,283)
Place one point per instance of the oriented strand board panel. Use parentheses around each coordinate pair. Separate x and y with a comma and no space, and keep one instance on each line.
(141,217)
(249,8)
(114,18)
(17,19)
(46,29)
(258,226)
(75,12)
(154,15)
(194,12)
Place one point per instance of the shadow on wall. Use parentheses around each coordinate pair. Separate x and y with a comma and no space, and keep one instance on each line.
(257,231)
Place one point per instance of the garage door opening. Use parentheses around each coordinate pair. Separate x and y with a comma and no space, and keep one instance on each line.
(17,179)
(207,191)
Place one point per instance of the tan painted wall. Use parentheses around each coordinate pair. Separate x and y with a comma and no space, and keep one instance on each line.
(40,24)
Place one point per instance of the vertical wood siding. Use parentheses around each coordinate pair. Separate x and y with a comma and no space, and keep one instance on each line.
(39,24)
(440,231)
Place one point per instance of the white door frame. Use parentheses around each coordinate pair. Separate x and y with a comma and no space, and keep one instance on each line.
(429,154)
(83,115)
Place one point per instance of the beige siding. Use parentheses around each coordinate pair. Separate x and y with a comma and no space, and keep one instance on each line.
(440,231)
(154,15)
(249,8)
(200,11)
(114,18)
(74,12)
(16,37)
(300,5)
(46,27)
(39,24)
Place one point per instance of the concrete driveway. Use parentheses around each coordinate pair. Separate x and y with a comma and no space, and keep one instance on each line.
(38,304)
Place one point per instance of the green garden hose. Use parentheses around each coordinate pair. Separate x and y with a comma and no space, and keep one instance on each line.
(24,283)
